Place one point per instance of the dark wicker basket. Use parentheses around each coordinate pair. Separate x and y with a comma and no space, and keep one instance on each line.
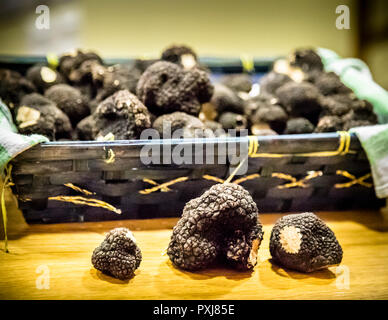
(277,181)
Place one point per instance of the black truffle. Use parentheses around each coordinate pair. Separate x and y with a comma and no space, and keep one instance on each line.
(189,126)
(307,59)
(270,82)
(231,120)
(166,87)
(335,105)
(182,55)
(330,83)
(225,99)
(222,224)
(123,115)
(13,87)
(329,124)
(118,255)
(69,100)
(239,82)
(303,242)
(299,126)
(300,100)
(40,115)
(44,77)
(274,115)
(87,128)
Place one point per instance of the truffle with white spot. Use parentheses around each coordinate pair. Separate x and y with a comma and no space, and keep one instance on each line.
(303,242)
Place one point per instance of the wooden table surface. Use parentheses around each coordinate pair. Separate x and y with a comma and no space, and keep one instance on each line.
(53,262)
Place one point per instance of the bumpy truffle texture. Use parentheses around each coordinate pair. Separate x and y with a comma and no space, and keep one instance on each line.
(225,99)
(220,225)
(182,55)
(330,83)
(299,126)
(303,242)
(37,114)
(118,255)
(188,126)
(166,87)
(69,100)
(329,124)
(306,59)
(231,120)
(300,100)
(239,82)
(44,77)
(123,115)
(13,87)
(87,128)
(274,115)
(270,82)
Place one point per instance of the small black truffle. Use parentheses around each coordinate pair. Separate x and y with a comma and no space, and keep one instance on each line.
(307,59)
(189,126)
(222,224)
(13,87)
(231,120)
(182,55)
(40,115)
(270,82)
(118,255)
(69,100)
(225,99)
(299,126)
(303,242)
(44,77)
(274,115)
(239,82)
(330,83)
(123,115)
(329,124)
(300,100)
(166,87)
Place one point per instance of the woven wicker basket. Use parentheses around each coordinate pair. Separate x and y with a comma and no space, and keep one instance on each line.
(286,173)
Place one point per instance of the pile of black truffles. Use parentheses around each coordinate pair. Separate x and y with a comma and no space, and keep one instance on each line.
(118,255)
(80,100)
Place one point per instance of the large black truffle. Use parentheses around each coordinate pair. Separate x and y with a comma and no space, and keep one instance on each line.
(330,83)
(273,115)
(303,242)
(118,255)
(69,100)
(223,225)
(166,87)
(40,115)
(329,124)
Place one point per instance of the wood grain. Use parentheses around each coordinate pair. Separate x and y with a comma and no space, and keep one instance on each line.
(66,250)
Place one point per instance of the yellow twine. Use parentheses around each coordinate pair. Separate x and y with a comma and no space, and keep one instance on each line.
(111,157)
(353,179)
(7,183)
(52,60)
(343,148)
(84,191)
(163,189)
(163,185)
(247,62)
(86,201)
(237,181)
(294,182)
